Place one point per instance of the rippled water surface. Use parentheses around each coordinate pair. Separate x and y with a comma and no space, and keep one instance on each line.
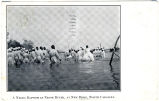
(97,75)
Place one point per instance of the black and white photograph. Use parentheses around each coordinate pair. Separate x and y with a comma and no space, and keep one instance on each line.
(63,47)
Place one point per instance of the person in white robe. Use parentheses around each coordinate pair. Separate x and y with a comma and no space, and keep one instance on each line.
(17,56)
(88,56)
(45,53)
(33,55)
(54,56)
(41,54)
(103,55)
(80,54)
(38,55)
(11,60)
(26,56)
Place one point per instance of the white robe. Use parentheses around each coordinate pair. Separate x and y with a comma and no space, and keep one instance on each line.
(39,56)
(103,54)
(33,56)
(11,60)
(88,56)
(26,58)
(80,55)
(54,56)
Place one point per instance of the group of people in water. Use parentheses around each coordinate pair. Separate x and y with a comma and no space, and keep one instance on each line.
(20,55)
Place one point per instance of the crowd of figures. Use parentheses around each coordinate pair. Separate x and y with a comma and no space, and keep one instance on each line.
(39,55)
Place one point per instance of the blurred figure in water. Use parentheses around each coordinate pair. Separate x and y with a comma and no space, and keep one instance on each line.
(20,55)
(54,56)
(45,53)
(103,53)
(38,56)
(80,54)
(88,56)
(69,55)
(76,55)
(73,53)
(17,56)
(26,57)
(33,55)
(10,54)
(41,52)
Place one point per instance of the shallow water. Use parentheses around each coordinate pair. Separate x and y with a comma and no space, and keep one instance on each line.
(97,75)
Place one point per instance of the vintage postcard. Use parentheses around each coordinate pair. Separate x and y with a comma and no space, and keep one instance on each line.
(79,51)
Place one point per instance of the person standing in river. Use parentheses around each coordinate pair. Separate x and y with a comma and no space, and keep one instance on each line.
(88,56)
(54,56)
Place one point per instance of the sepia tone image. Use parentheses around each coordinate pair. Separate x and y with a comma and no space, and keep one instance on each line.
(63,47)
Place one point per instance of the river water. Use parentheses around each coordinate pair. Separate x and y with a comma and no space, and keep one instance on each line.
(97,75)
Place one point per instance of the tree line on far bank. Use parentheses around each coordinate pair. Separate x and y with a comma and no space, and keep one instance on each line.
(27,44)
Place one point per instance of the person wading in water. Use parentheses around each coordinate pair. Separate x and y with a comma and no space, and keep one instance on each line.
(54,56)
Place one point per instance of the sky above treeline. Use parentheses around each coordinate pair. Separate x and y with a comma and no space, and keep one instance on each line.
(65,26)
